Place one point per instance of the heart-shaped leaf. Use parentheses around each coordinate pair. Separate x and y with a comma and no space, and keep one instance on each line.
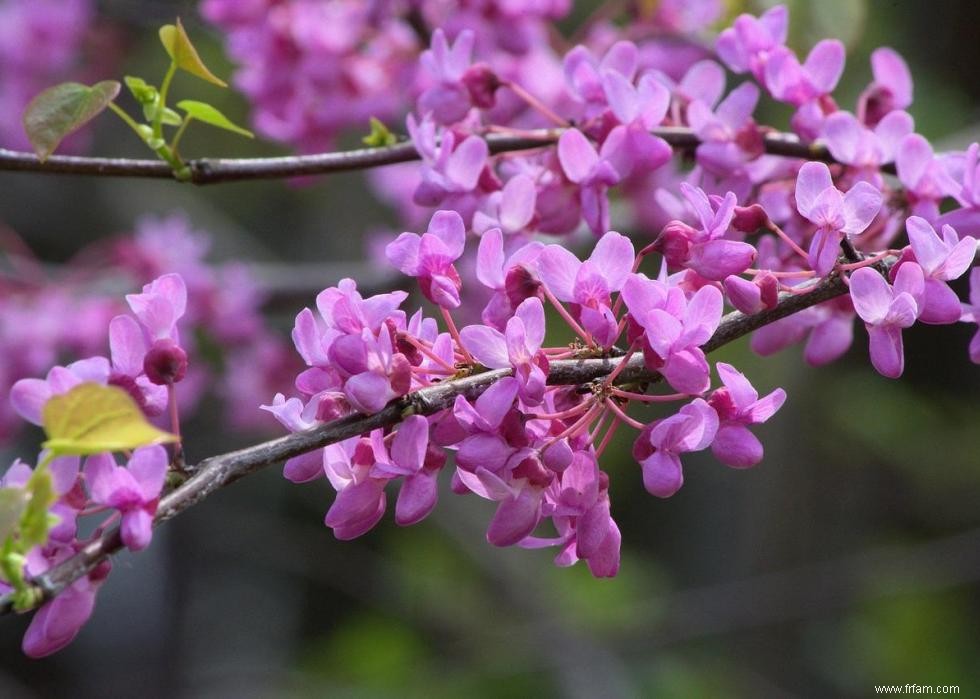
(35,521)
(209,115)
(62,109)
(91,419)
(183,53)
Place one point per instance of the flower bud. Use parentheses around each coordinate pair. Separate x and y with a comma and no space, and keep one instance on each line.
(165,363)
(674,243)
(749,219)
(481,83)
(520,284)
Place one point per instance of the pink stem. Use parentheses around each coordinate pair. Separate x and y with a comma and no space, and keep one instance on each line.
(535,103)
(786,239)
(645,398)
(451,324)
(567,317)
(623,416)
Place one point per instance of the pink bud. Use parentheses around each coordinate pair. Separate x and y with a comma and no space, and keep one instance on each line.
(165,363)
(482,83)
(749,219)
(674,243)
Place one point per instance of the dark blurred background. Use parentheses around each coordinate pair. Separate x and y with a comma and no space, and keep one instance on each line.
(850,557)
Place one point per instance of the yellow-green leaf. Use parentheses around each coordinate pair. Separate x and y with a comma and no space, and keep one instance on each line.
(34,522)
(13,501)
(62,109)
(183,53)
(203,111)
(90,419)
(380,135)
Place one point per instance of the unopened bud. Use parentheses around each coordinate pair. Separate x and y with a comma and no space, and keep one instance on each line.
(165,363)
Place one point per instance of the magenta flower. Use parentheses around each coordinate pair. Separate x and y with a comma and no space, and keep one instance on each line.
(660,444)
(593,172)
(57,622)
(449,171)
(128,350)
(752,296)
(162,303)
(748,43)
(965,170)
(925,179)
(942,260)
(673,329)
(865,149)
(704,81)
(729,137)
(360,501)
(134,491)
(510,278)
(971,313)
(886,311)
(590,284)
(430,257)
(788,81)
(375,371)
(28,396)
(487,445)
(448,100)
(738,405)
(835,214)
(630,147)
(519,510)
(890,90)
(705,250)
(510,209)
(584,73)
(519,346)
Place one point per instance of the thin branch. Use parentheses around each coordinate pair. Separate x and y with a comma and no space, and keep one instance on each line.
(218,471)
(214,170)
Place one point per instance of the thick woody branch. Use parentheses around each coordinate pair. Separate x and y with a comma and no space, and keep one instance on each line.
(214,170)
(218,471)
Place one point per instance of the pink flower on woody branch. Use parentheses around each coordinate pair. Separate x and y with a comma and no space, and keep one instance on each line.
(705,250)
(835,213)
(630,147)
(162,303)
(964,168)
(511,278)
(942,260)
(748,43)
(584,73)
(864,149)
(788,81)
(28,396)
(925,179)
(448,100)
(660,444)
(593,172)
(449,171)
(430,257)
(738,406)
(128,349)
(729,135)
(886,311)
(672,329)
(590,284)
(134,490)
(510,209)
(519,346)
(890,90)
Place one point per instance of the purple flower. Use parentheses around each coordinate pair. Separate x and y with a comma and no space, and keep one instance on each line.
(162,303)
(430,257)
(584,73)
(660,444)
(729,136)
(867,150)
(673,329)
(752,296)
(593,172)
(519,346)
(705,250)
(510,278)
(128,349)
(57,622)
(971,313)
(448,100)
(449,172)
(788,81)
(891,89)
(925,179)
(486,445)
(738,405)
(835,214)
(886,310)
(748,43)
(590,284)
(942,260)
(965,170)
(630,147)
(510,209)
(134,491)
(360,501)
(28,396)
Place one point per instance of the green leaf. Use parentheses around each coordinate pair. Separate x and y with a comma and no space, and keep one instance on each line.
(35,523)
(13,501)
(90,419)
(142,92)
(62,109)
(209,115)
(380,135)
(183,53)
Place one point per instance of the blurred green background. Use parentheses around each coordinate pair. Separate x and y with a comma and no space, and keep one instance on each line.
(850,557)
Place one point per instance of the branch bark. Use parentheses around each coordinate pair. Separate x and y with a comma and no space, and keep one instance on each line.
(218,471)
(215,170)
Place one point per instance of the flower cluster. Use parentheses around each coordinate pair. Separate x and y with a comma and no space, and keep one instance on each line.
(43,320)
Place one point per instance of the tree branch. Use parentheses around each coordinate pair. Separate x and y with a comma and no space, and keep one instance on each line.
(218,471)
(214,170)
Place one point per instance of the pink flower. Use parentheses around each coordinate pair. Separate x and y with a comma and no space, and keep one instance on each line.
(886,311)
(865,149)
(971,313)
(942,260)
(510,278)
(430,257)
(749,42)
(660,444)
(134,491)
(835,214)
(593,172)
(630,147)
(788,81)
(519,346)
(925,179)
(448,100)
(891,89)
(738,405)
(510,209)
(729,136)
